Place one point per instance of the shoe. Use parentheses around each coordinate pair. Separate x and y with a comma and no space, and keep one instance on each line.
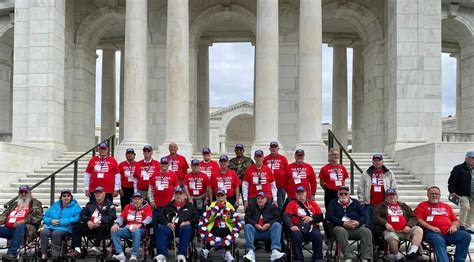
(10,256)
(120,257)
(181,258)
(469,230)
(228,257)
(94,251)
(413,256)
(204,253)
(74,254)
(250,256)
(160,258)
(133,258)
(276,255)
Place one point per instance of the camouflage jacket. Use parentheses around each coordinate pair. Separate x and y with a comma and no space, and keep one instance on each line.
(240,167)
(33,220)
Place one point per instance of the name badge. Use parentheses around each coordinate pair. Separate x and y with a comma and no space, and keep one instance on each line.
(429,218)
(220,185)
(100,175)
(297,179)
(374,181)
(159,185)
(192,185)
(395,219)
(333,176)
(338,183)
(259,187)
(255,180)
(98,167)
(128,173)
(12,220)
(130,179)
(196,192)
(377,189)
(145,175)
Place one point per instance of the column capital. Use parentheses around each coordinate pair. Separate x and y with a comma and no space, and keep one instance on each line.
(356,44)
(206,41)
(108,46)
(253,40)
(338,42)
(456,54)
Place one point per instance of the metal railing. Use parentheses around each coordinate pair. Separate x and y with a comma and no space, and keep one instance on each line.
(109,140)
(343,151)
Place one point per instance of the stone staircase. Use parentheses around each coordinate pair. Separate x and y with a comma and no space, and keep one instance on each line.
(410,189)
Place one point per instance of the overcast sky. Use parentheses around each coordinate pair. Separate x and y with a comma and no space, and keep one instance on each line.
(231,78)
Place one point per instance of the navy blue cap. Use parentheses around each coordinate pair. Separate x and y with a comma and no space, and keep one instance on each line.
(147,147)
(223,158)
(206,150)
(470,153)
(164,160)
(99,189)
(194,162)
(343,188)
(24,188)
(274,144)
(377,156)
(300,188)
(221,191)
(178,189)
(130,150)
(258,153)
(260,194)
(103,145)
(239,146)
(137,194)
(299,152)
(391,191)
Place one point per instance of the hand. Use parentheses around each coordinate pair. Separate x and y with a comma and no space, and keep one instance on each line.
(452,229)
(55,222)
(435,229)
(389,227)
(185,223)
(406,230)
(18,223)
(259,227)
(152,203)
(236,206)
(307,219)
(87,193)
(90,224)
(294,228)
(266,227)
(121,192)
(246,204)
(135,228)
(355,223)
(114,228)
(171,226)
(452,195)
(275,203)
(312,198)
(348,224)
(115,193)
(97,224)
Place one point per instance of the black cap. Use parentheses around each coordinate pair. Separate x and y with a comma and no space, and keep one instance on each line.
(130,150)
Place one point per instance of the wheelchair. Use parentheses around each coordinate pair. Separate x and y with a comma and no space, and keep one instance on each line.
(307,245)
(428,251)
(29,250)
(146,248)
(104,252)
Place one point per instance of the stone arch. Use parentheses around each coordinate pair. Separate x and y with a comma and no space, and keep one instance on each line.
(459,23)
(216,14)
(228,117)
(5,28)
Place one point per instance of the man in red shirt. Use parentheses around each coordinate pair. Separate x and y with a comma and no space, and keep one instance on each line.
(208,166)
(258,178)
(300,173)
(332,176)
(102,170)
(177,163)
(145,170)
(197,187)
(227,179)
(128,181)
(277,163)
(442,226)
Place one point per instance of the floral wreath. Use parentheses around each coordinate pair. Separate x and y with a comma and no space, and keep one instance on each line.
(219,213)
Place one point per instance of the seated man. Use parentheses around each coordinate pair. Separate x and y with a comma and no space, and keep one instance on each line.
(395,220)
(96,219)
(262,222)
(22,218)
(302,217)
(348,217)
(441,226)
(178,216)
(135,216)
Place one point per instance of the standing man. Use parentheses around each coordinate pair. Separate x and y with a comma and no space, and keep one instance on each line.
(227,180)
(145,170)
(258,178)
(129,182)
(461,184)
(373,183)
(197,187)
(277,163)
(208,166)
(177,163)
(442,227)
(102,170)
(332,176)
(240,163)
(300,173)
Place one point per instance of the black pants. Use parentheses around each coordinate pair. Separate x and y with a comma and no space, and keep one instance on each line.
(127,196)
(78,231)
(329,195)
(297,240)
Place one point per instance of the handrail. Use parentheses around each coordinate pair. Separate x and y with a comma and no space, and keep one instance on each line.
(111,142)
(331,138)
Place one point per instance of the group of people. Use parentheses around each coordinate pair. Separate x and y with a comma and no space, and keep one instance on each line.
(277,196)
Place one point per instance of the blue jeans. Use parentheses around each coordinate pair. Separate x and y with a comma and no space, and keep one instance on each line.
(164,234)
(461,239)
(15,234)
(251,233)
(368,210)
(281,195)
(124,233)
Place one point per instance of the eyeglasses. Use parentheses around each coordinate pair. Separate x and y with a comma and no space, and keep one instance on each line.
(343,194)
(23,192)
(66,195)
(147,150)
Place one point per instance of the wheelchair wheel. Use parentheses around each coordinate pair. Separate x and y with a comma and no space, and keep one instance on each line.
(237,255)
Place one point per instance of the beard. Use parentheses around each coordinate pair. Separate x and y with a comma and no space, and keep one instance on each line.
(24,202)
(434,200)
(344,200)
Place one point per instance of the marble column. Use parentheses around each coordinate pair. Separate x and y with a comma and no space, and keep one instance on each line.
(193,93)
(135,76)
(457,55)
(266,78)
(339,92)
(5,99)
(310,81)
(357,97)
(203,94)
(122,98)
(107,123)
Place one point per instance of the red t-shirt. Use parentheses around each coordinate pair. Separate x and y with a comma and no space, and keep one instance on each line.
(102,173)
(297,212)
(259,179)
(178,165)
(333,176)
(127,171)
(395,217)
(210,168)
(132,216)
(301,175)
(163,187)
(18,214)
(439,215)
(144,172)
(278,165)
(227,180)
(196,183)
(377,190)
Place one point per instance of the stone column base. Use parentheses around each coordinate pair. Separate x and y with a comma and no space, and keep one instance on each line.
(119,151)
(184,149)
(314,152)
(56,147)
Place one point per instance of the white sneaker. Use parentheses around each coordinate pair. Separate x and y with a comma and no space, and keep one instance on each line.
(228,257)
(120,257)
(250,256)
(94,250)
(159,258)
(181,258)
(133,258)
(204,253)
(276,255)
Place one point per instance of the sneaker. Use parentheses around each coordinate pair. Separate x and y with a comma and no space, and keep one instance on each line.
(160,258)
(181,258)
(74,254)
(228,257)
(250,256)
(93,251)
(133,258)
(204,254)
(120,257)
(413,256)
(276,255)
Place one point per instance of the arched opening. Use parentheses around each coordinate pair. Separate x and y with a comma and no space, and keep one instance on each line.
(241,129)
(6,85)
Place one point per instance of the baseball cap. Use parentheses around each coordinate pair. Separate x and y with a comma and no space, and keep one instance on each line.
(258,153)
(206,150)
(274,144)
(179,189)
(164,160)
(239,146)
(223,158)
(300,188)
(103,146)
(24,188)
(299,152)
(220,191)
(194,162)
(391,191)
(470,153)
(130,150)
(260,194)
(99,189)
(343,188)
(66,191)
(147,147)
(137,194)
(375,156)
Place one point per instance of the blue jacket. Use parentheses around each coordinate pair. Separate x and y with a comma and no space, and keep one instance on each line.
(67,216)
(335,212)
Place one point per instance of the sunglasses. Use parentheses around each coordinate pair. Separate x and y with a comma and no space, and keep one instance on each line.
(146,150)
(343,194)
(66,195)
(24,192)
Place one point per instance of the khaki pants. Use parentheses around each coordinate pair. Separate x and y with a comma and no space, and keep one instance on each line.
(467,211)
